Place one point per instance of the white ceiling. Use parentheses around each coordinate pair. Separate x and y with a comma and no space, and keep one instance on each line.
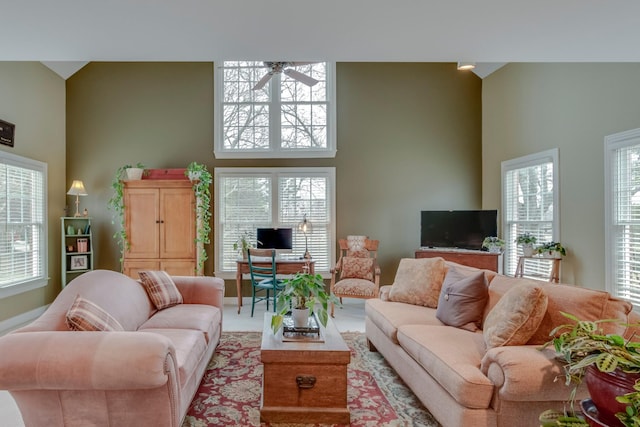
(485,31)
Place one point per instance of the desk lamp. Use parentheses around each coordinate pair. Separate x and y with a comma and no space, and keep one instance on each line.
(305,227)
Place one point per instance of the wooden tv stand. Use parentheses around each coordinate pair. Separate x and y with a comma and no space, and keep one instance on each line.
(478,259)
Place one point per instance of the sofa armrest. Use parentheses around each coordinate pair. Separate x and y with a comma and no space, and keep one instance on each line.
(70,360)
(526,373)
(383,294)
(201,290)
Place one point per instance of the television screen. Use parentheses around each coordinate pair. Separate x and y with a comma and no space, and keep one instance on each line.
(457,229)
(274,238)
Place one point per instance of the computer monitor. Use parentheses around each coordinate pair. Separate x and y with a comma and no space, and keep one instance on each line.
(280,239)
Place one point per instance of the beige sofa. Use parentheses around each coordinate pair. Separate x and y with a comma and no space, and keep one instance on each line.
(145,375)
(462,380)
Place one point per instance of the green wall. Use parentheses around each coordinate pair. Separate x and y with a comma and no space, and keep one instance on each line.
(409,138)
(33,98)
(528,108)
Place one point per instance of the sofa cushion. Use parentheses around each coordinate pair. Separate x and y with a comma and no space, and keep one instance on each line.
(516,317)
(357,268)
(83,315)
(462,299)
(452,357)
(418,281)
(389,316)
(197,317)
(190,347)
(161,289)
(357,287)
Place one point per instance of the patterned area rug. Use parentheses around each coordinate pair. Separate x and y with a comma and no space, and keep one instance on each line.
(229,394)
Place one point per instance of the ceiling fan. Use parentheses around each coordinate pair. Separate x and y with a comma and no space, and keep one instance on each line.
(284,67)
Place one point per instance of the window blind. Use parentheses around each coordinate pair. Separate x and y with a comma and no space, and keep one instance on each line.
(22,221)
(626,222)
(528,207)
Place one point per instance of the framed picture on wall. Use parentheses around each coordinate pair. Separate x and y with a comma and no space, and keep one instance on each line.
(7,131)
(78,262)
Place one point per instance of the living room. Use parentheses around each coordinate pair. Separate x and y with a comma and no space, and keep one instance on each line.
(411,135)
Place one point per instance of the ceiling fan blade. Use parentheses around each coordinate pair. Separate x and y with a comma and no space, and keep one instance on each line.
(303,78)
(263,81)
(299,64)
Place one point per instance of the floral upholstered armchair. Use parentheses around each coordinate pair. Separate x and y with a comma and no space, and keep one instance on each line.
(356,274)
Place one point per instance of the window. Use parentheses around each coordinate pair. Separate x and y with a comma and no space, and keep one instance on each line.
(250,198)
(622,215)
(23,226)
(530,205)
(285,118)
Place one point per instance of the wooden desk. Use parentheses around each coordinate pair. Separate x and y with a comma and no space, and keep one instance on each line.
(554,275)
(283,266)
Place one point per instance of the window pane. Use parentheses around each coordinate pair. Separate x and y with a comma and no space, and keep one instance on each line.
(246,126)
(528,208)
(22,223)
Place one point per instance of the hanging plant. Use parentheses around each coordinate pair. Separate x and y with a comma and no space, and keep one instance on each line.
(116,204)
(201,179)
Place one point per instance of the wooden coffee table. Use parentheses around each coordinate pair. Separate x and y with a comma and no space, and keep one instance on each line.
(304,382)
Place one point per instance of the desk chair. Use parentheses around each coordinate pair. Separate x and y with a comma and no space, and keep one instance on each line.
(263,276)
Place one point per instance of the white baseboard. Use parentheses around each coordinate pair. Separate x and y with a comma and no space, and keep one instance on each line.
(15,322)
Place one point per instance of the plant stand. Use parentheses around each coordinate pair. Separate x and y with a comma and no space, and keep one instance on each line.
(554,275)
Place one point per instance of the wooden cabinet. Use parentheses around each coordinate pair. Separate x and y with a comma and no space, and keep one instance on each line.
(77,247)
(160,222)
(478,259)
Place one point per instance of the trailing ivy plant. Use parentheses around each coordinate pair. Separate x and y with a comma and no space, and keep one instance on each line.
(201,179)
(116,204)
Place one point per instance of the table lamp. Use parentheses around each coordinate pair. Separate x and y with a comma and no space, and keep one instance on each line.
(305,227)
(77,189)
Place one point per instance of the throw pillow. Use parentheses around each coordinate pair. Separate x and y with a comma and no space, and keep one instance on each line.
(161,289)
(360,268)
(83,315)
(418,281)
(462,299)
(516,317)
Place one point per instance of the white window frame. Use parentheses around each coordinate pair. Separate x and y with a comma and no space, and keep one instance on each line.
(274,173)
(275,150)
(612,143)
(18,287)
(551,155)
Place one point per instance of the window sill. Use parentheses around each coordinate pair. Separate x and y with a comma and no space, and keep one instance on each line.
(305,154)
(23,287)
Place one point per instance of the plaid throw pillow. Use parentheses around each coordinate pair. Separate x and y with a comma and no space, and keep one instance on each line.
(87,316)
(160,288)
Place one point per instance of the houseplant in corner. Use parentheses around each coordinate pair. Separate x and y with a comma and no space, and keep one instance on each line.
(201,179)
(305,292)
(527,240)
(116,204)
(602,360)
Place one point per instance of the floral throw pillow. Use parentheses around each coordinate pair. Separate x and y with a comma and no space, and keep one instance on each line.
(418,281)
(83,315)
(360,268)
(161,289)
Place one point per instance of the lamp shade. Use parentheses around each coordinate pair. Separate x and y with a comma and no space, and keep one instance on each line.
(305,225)
(77,189)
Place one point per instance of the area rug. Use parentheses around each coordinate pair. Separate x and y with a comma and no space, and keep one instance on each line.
(229,394)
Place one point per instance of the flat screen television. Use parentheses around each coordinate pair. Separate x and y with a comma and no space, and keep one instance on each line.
(457,229)
(275,238)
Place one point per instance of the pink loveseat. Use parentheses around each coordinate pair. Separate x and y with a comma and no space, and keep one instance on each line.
(144,376)
(464,383)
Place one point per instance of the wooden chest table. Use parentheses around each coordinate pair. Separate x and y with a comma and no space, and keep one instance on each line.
(304,382)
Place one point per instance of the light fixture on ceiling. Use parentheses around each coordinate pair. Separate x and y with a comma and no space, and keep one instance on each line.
(466,65)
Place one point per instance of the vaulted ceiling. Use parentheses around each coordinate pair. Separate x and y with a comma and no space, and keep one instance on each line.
(489,31)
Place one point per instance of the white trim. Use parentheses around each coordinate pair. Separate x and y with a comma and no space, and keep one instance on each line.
(19,288)
(20,320)
(611,144)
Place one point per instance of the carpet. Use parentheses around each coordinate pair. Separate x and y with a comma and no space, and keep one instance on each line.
(229,394)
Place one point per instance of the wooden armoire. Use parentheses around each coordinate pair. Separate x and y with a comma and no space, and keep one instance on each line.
(160,222)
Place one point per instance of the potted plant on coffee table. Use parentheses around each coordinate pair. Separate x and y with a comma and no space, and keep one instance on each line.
(304,294)
(602,360)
